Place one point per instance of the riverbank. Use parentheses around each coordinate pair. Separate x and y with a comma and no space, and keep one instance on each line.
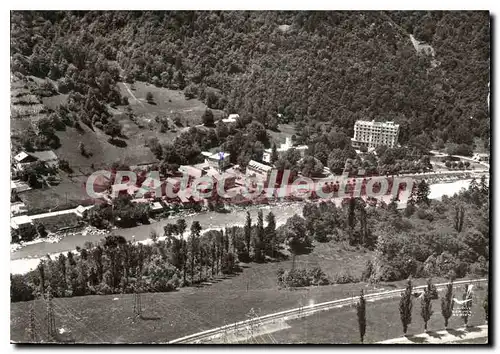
(27,258)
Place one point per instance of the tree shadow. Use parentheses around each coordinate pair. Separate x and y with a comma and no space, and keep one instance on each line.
(456,333)
(473,329)
(415,339)
(118,142)
(434,334)
(63,337)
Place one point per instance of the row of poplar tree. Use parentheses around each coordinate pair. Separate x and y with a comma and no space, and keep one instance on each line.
(430,293)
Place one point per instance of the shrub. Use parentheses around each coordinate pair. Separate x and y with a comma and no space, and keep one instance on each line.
(368,271)
(302,277)
(479,268)
(344,277)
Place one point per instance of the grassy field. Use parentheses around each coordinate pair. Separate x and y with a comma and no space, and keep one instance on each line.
(284,131)
(190,310)
(383,322)
(68,194)
(166,102)
(109,319)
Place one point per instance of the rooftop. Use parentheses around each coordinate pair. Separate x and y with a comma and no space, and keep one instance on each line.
(191,171)
(47,155)
(387,124)
(259,166)
(21,220)
(21,156)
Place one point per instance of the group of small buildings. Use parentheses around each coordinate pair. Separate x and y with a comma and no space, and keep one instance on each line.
(24,159)
(215,169)
(481,157)
(25,225)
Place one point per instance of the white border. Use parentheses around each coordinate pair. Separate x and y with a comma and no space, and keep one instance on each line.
(228,5)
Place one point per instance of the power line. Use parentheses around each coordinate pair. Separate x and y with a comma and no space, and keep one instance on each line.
(32,328)
(84,328)
(51,322)
(137,304)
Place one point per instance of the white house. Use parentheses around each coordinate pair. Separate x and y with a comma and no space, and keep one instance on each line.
(283,149)
(231,118)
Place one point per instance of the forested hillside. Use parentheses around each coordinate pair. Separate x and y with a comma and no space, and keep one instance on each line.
(310,67)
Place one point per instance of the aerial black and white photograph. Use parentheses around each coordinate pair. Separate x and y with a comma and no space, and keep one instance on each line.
(250,177)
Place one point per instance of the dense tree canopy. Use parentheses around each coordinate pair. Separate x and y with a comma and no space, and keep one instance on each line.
(323,69)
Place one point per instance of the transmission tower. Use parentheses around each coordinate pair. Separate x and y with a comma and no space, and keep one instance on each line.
(251,315)
(137,304)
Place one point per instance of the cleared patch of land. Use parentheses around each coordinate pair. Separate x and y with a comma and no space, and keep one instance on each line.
(67,194)
(165,102)
(284,131)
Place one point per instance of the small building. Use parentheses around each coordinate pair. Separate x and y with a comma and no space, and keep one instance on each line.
(229,179)
(481,157)
(23,227)
(18,208)
(231,118)
(48,157)
(219,160)
(258,170)
(19,186)
(171,183)
(156,207)
(283,149)
(191,171)
(235,195)
(23,159)
(82,209)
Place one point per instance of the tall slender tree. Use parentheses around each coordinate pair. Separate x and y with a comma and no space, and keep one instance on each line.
(361,312)
(426,304)
(466,305)
(248,232)
(193,241)
(274,154)
(259,238)
(423,192)
(447,303)
(181,228)
(406,306)
(270,234)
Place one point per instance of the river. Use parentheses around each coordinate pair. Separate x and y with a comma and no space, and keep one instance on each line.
(27,257)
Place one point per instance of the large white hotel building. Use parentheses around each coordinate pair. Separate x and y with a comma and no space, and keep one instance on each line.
(372,134)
